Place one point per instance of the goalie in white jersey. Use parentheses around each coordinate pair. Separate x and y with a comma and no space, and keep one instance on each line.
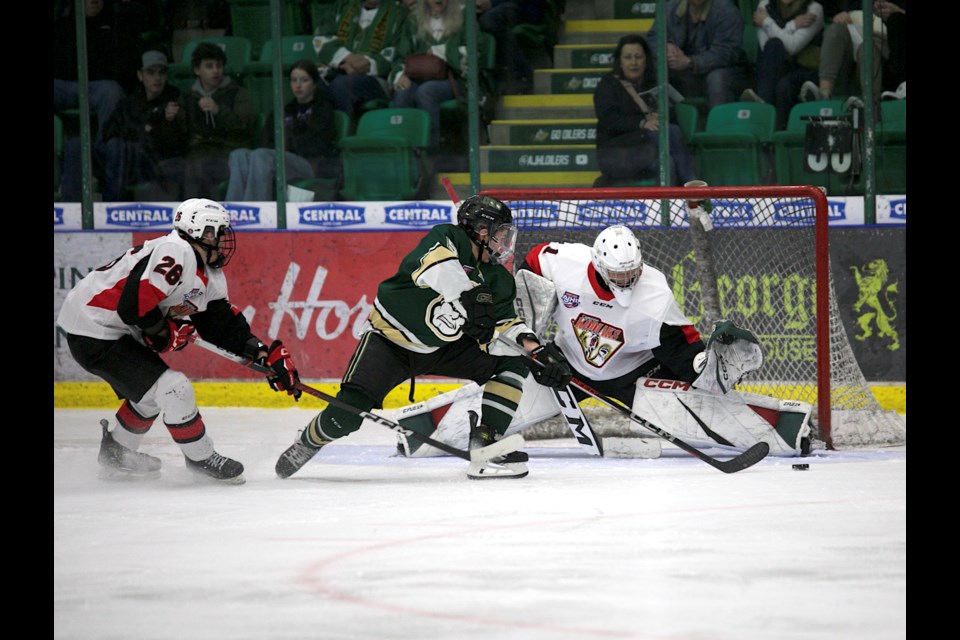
(624,335)
(149,301)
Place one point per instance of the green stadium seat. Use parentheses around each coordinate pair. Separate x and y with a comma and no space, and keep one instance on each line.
(733,149)
(891,147)
(688,118)
(250,19)
(384,159)
(258,76)
(788,145)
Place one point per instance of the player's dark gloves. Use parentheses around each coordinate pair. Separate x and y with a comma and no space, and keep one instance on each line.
(481,319)
(555,371)
(173,336)
(281,361)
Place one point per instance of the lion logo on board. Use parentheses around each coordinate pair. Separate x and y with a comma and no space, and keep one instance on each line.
(876,302)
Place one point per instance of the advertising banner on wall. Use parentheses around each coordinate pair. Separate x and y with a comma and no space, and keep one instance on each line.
(367,216)
(313,291)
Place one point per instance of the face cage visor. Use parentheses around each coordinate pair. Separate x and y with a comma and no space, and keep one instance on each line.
(219,255)
(501,243)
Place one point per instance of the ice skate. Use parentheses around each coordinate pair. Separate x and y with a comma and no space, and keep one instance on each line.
(117,462)
(218,467)
(297,455)
(511,465)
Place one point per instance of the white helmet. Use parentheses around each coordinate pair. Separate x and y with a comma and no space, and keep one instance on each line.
(195,216)
(616,257)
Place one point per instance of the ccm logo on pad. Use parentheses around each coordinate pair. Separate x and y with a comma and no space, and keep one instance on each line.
(666,384)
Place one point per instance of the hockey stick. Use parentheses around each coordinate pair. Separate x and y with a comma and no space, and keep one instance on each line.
(748,458)
(501,447)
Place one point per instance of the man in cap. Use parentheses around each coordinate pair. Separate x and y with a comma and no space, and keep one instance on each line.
(139,138)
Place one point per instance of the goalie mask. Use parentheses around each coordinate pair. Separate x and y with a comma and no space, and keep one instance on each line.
(617,259)
(207,224)
(483,213)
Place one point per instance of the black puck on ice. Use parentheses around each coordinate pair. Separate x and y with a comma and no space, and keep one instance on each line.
(801,467)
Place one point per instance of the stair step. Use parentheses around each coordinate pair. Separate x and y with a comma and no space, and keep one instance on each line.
(583,56)
(542,158)
(555,81)
(597,31)
(621,9)
(559,106)
(617,9)
(543,132)
(508,180)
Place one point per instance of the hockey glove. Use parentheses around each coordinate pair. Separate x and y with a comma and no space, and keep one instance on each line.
(555,371)
(173,336)
(281,361)
(731,354)
(481,318)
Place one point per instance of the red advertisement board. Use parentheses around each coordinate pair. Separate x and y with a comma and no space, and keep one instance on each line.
(311,290)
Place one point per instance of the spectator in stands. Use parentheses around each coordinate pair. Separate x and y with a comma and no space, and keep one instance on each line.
(499,18)
(626,101)
(139,135)
(310,138)
(215,118)
(434,26)
(103,54)
(360,53)
(789,34)
(705,56)
(841,61)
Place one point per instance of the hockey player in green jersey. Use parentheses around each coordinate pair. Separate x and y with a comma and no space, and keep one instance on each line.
(438,315)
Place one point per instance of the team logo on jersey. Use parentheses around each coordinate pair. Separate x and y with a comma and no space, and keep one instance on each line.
(598,340)
(444,319)
(570,300)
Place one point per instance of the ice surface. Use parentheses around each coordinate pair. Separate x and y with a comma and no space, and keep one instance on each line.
(362,544)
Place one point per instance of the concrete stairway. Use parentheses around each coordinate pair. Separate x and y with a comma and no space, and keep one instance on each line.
(547,138)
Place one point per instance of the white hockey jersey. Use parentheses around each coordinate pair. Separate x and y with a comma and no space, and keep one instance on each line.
(600,338)
(170,279)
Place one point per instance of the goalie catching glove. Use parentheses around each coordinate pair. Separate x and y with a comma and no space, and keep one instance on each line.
(731,354)
(481,318)
(555,371)
(287,378)
(172,336)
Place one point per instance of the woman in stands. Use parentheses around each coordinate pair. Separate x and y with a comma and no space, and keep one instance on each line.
(628,121)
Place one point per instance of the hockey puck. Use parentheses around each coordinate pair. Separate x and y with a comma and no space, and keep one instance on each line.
(801,467)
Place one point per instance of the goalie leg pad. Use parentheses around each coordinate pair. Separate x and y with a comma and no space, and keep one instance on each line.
(731,421)
(537,404)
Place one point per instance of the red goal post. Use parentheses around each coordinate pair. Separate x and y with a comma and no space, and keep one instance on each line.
(757,255)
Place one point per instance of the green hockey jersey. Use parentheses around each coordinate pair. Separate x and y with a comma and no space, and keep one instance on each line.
(418,307)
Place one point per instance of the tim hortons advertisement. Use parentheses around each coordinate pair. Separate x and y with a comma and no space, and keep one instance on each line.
(311,290)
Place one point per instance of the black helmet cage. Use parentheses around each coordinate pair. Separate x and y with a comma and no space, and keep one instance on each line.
(478,213)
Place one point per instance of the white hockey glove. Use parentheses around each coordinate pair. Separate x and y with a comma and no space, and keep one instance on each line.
(731,354)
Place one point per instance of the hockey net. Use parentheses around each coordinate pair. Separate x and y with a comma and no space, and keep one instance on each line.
(758,257)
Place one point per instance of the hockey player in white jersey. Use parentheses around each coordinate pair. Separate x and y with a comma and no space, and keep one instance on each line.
(624,335)
(149,301)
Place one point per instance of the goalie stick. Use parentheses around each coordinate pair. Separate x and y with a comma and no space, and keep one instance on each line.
(748,458)
(501,447)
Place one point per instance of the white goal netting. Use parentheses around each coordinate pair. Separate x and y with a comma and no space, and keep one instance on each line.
(760,260)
